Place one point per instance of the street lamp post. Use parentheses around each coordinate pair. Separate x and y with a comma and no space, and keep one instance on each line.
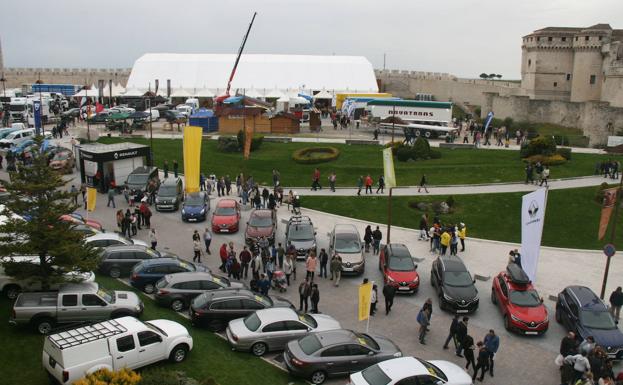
(3,80)
(86,96)
(612,234)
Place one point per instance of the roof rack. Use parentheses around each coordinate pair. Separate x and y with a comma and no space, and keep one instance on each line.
(517,275)
(300,219)
(86,334)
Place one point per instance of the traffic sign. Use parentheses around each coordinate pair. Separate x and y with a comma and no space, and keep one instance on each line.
(609,250)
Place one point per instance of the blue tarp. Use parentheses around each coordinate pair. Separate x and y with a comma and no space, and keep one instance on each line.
(205,119)
(233,100)
(306,97)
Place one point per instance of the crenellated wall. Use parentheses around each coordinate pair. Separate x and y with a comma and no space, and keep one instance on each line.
(16,77)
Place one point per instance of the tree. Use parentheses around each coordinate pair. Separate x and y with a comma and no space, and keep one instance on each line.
(484,76)
(491,76)
(37,194)
(498,76)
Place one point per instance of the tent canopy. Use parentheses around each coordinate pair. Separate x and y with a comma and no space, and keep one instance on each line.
(205,93)
(180,93)
(323,95)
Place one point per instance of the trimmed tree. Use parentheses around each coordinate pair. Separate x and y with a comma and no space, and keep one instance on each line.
(39,197)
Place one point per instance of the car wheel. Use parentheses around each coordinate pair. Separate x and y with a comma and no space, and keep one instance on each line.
(259,349)
(507,324)
(177,305)
(178,354)
(12,291)
(318,377)
(149,288)
(427,134)
(215,325)
(44,325)
(493,299)
(114,272)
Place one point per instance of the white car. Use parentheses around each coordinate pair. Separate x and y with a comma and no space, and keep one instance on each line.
(112,239)
(412,371)
(121,109)
(123,342)
(184,109)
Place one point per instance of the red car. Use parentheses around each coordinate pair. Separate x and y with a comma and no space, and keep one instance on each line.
(519,302)
(80,220)
(226,216)
(398,268)
(262,223)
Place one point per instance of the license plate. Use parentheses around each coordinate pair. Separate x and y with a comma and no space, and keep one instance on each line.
(192,219)
(224,230)
(462,311)
(403,288)
(347,269)
(532,333)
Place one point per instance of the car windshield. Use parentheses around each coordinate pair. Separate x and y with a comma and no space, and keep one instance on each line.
(525,298)
(433,370)
(137,179)
(107,295)
(194,200)
(347,243)
(260,221)
(252,322)
(308,320)
(597,319)
(225,211)
(310,344)
(188,266)
(458,278)
(401,264)
(156,328)
(167,190)
(301,233)
(374,375)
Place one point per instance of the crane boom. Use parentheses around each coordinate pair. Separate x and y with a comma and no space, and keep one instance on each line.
(244,41)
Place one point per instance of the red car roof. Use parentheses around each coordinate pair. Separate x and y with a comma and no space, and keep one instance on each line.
(226,203)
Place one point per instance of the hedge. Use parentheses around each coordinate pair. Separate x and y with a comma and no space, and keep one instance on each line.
(313,155)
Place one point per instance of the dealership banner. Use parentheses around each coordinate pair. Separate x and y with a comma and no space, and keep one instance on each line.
(91,198)
(488,121)
(36,105)
(388,168)
(365,296)
(192,157)
(532,219)
(610,199)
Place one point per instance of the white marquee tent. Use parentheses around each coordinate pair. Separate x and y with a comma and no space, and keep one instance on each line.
(270,72)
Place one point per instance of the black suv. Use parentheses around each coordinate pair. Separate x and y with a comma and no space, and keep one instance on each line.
(581,311)
(119,260)
(454,285)
(170,194)
(214,309)
(301,233)
(141,176)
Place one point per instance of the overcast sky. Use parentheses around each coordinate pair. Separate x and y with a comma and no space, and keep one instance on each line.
(461,37)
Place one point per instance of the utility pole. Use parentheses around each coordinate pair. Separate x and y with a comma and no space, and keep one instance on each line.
(612,234)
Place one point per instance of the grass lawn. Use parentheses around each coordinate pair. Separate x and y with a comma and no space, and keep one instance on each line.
(211,357)
(571,217)
(458,166)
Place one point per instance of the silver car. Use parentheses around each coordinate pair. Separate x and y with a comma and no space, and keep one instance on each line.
(345,241)
(112,239)
(272,329)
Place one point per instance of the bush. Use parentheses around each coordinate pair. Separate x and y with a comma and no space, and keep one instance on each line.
(421,148)
(313,155)
(552,160)
(124,376)
(227,144)
(404,153)
(508,123)
(564,152)
(256,141)
(542,145)
(599,195)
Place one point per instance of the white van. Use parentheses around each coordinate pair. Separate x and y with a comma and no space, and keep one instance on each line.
(17,137)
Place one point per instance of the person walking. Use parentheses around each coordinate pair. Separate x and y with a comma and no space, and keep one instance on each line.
(454,243)
(287,268)
(367,238)
(482,361)
(197,250)
(332,178)
(580,363)
(223,254)
(468,351)
(324,260)
(316,180)
(281,252)
(423,184)
(462,235)
(310,265)
(452,334)
(207,239)
(377,236)
(368,183)
(175,166)
(245,260)
(256,266)
(544,176)
(424,321)
(336,269)
(74,192)
(388,292)
(529,173)
(304,292)
(374,298)
(359,184)
(492,343)
(315,298)
(616,301)
(381,184)
(153,239)
(165,168)
(445,241)
(111,198)
(461,332)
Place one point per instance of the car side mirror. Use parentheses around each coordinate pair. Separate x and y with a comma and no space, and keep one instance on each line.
(416,266)
(542,300)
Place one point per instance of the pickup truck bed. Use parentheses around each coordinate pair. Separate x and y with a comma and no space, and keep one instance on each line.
(37,300)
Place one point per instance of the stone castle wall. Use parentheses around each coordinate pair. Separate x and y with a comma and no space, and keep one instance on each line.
(16,77)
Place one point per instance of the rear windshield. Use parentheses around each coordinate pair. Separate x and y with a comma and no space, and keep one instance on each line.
(252,322)
(374,375)
(138,179)
(366,340)
(200,301)
(310,344)
(308,320)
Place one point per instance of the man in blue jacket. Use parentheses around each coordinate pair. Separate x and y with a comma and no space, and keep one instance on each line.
(492,342)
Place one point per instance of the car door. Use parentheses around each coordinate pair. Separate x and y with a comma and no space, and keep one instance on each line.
(296,330)
(230,309)
(69,310)
(438,276)
(94,308)
(124,352)
(335,359)
(275,334)
(127,260)
(503,301)
(360,357)
(151,347)
(572,316)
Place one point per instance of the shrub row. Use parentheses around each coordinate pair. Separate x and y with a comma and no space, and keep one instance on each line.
(313,155)
(546,160)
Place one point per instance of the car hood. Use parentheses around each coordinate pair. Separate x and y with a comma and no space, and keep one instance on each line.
(353,258)
(461,293)
(173,329)
(224,219)
(281,302)
(253,231)
(325,322)
(193,209)
(403,276)
(529,314)
(456,375)
(304,244)
(606,338)
(126,299)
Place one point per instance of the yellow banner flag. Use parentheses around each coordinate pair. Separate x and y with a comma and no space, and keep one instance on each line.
(192,157)
(388,168)
(365,296)
(91,198)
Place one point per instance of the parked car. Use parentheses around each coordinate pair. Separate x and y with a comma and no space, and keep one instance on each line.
(17,137)
(140,177)
(87,230)
(271,329)
(262,223)
(412,371)
(178,290)
(195,207)
(63,161)
(519,302)
(11,286)
(214,309)
(174,117)
(146,273)
(345,241)
(318,356)
(301,234)
(226,216)
(581,311)
(116,344)
(78,219)
(455,286)
(399,271)
(99,118)
(122,110)
(103,240)
(170,194)
(119,260)
(20,148)
(74,302)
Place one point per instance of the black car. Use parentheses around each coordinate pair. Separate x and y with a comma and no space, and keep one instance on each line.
(214,309)
(454,284)
(170,194)
(119,260)
(146,273)
(581,311)
(172,116)
(141,176)
(177,290)
(195,207)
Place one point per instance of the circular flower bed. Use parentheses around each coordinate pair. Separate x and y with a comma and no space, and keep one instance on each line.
(312,155)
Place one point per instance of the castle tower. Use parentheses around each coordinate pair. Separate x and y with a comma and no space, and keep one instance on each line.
(588,76)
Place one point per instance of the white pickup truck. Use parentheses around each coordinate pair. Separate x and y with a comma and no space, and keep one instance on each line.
(114,344)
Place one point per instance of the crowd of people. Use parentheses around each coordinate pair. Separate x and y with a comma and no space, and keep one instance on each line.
(608,168)
(443,238)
